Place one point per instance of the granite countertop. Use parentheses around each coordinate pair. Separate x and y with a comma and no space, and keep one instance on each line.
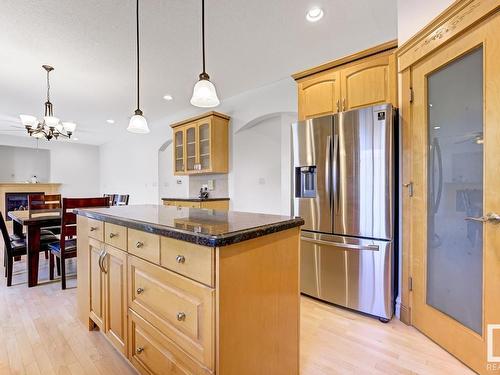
(201,226)
(195,199)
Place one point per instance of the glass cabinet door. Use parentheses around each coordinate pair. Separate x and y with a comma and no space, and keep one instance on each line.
(191,163)
(179,150)
(204,136)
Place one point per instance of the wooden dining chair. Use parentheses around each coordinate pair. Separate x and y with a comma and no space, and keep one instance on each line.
(65,248)
(15,248)
(122,200)
(45,202)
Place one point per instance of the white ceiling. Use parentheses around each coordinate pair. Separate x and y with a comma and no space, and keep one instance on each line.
(91,43)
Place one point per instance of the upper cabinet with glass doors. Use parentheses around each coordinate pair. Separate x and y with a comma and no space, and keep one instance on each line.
(201,144)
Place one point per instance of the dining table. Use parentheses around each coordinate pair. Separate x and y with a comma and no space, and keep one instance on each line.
(34,221)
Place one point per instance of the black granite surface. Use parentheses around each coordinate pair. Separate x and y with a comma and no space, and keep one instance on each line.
(201,226)
(195,199)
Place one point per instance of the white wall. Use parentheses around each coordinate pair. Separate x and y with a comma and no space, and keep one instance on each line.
(74,165)
(133,164)
(413,15)
(19,164)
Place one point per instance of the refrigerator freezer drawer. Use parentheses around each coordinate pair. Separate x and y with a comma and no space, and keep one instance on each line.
(351,272)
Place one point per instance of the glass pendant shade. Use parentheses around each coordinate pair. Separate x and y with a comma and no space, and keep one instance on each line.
(38,135)
(51,121)
(28,120)
(69,126)
(204,94)
(138,124)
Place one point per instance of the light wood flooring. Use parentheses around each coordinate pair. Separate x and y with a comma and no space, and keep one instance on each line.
(39,334)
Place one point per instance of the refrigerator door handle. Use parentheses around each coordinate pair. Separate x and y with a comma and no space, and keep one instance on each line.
(341,244)
(328,177)
(335,172)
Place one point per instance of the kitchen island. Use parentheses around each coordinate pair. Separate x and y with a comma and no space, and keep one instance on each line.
(212,203)
(192,291)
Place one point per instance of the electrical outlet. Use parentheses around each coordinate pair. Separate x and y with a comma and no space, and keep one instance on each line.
(211,185)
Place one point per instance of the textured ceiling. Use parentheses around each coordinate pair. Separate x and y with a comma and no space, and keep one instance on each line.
(92,45)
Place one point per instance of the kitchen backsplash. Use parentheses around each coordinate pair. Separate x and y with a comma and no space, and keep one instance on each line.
(220,182)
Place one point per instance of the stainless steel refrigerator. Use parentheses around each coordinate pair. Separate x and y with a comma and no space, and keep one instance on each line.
(344,188)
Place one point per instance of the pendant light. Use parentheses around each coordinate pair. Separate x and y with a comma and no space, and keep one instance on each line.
(204,93)
(138,123)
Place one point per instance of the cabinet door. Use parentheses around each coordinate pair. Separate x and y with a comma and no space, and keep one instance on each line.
(368,83)
(205,144)
(319,95)
(191,149)
(96,282)
(179,163)
(115,271)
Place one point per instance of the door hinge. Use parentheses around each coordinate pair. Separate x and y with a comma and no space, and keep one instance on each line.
(409,185)
(411,94)
(410,283)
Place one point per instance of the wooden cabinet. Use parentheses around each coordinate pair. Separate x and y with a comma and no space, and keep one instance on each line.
(180,308)
(319,95)
(369,82)
(363,79)
(114,267)
(96,282)
(201,144)
(213,205)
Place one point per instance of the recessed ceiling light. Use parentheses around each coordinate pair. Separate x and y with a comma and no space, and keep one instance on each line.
(314,14)
(168,97)
(110,121)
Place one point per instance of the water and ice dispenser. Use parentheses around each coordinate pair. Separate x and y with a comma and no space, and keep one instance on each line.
(305,182)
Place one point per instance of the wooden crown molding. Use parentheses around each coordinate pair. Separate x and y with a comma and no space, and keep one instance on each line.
(454,20)
(347,59)
(199,117)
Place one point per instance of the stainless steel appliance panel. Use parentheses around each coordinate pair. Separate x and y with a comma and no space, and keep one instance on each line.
(351,272)
(363,173)
(312,148)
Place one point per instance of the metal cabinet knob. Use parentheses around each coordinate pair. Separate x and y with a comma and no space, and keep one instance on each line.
(180,259)
(139,244)
(181,316)
(111,235)
(139,350)
(140,290)
(93,229)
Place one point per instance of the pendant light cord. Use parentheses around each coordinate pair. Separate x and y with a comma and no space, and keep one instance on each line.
(203,31)
(48,87)
(137,34)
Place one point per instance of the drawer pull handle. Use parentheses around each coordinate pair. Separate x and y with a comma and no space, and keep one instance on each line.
(139,244)
(181,316)
(180,259)
(93,229)
(111,235)
(140,290)
(139,350)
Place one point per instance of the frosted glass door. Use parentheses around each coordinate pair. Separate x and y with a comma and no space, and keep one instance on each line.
(179,151)
(191,164)
(455,190)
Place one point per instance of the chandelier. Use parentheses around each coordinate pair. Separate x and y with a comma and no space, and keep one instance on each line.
(50,126)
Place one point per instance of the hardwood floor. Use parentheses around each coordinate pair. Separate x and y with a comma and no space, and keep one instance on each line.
(40,334)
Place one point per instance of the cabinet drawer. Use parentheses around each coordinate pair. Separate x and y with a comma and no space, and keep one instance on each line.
(96,229)
(144,245)
(180,308)
(193,261)
(152,353)
(115,235)
(188,204)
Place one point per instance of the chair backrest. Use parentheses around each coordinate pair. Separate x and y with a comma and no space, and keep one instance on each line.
(122,200)
(68,219)
(44,201)
(111,197)
(5,235)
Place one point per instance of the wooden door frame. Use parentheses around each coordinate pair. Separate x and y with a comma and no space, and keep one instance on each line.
(453,22)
